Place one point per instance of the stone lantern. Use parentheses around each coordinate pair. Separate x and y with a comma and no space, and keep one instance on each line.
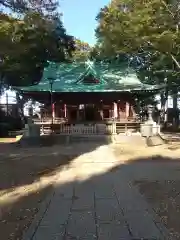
(149,128)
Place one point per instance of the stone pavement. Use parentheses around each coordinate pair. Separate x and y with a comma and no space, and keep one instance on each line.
(94,199)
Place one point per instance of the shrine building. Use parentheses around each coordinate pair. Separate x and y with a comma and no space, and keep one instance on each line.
(88,93)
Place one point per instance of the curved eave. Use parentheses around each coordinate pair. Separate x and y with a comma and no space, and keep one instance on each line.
(94,91)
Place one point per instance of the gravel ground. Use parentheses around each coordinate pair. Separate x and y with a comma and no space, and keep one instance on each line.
(164,197)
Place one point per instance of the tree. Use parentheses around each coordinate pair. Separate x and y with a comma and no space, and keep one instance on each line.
(128,26)
(24,6)
(147,31)
(82,50)
(27,44)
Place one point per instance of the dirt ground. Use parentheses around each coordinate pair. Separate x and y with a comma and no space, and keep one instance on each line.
(27,176)
(164,197)
(156,173)
(25,181)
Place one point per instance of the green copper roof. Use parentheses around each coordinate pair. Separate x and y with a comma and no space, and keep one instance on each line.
(70,78)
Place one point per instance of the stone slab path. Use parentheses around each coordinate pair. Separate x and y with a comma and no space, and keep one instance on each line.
(94,199)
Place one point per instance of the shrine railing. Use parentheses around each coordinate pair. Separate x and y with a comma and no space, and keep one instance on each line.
(79,129)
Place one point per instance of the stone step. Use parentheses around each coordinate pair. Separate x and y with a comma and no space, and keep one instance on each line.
(132,139)
(50,140)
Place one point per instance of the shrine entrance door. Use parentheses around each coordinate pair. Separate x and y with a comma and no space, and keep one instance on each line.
(90,112)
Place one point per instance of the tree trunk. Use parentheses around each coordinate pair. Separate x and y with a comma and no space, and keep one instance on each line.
(164,107)
(1,83)
(175,109)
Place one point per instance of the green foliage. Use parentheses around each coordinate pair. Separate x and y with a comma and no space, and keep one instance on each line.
(145,29)
(27,44)
(23,6)
(128,25)
(82,51)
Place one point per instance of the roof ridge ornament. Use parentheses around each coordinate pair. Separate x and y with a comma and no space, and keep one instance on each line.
(89,63)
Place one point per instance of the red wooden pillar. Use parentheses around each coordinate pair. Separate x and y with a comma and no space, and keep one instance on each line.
(101,110)
(118,109)
(65,111)
(78,113)
(115,111)
(127,109)
(53,111)
(101,114)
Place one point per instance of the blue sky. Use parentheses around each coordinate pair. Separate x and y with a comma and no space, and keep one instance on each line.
(79,17)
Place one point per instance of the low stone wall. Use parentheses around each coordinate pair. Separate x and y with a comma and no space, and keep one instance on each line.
(50,140)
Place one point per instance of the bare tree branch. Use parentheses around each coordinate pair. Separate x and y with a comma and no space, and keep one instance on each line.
(175,60)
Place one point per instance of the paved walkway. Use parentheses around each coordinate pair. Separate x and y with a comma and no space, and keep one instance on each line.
(94,199)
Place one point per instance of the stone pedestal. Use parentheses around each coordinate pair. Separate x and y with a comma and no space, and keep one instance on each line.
(149,129)
(146,130)
(31,129)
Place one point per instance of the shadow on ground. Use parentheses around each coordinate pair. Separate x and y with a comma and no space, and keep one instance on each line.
(26,178)
(82,205)
(97,206)
(24,165)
